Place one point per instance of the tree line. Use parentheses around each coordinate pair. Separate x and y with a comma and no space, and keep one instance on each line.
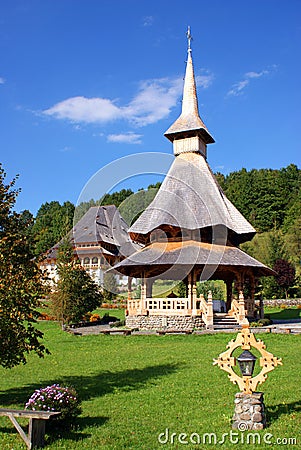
(270,199)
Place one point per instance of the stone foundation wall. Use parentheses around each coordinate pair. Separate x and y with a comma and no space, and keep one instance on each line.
(179,323)
(278,302)
(249,412)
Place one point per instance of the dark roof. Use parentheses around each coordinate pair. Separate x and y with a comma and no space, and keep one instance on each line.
(191,198)
(159,257)
(101,225)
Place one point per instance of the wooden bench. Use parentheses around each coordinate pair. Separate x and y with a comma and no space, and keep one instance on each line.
(163,332)
(36,428)
(117,331)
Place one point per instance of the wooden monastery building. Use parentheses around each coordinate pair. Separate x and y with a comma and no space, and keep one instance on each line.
(100,239)
(190,232)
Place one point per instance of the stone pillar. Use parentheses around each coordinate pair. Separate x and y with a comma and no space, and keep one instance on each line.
(249,412)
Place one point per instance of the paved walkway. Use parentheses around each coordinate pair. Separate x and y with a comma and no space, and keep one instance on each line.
(278,326)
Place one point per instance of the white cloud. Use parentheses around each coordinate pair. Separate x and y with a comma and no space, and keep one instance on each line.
(256,74)
(153,101)
(125,138)
(148,21)
(205,80)
(238,88)
(66,149)
(2,80)
(82,109)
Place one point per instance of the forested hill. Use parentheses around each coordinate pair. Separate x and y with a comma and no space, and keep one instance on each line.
(269,199)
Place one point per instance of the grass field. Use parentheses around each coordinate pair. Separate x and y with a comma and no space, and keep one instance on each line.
(135,387)
(283,314)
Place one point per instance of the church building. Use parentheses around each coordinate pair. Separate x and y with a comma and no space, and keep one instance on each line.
(190,232)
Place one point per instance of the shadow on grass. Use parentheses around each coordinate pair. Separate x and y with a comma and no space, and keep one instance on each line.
(88,387)
(96,385)
(285,314)
(75,434)
(54,433)
(276,411)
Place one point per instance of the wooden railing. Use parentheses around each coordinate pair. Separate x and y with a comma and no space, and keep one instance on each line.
(174,306)
(134,306)
(206,309)
(238,309)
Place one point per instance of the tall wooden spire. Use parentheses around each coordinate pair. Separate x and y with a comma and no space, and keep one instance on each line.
(189,133)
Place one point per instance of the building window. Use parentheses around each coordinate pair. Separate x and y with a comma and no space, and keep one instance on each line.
(94,260)
(86,261)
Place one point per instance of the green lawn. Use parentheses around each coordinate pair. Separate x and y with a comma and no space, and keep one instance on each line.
(135,387)
(282,314)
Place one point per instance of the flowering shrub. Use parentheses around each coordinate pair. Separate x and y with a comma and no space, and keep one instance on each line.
(94,318)
(56,398)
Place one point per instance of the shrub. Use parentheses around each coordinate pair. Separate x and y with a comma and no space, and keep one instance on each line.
(94,318)
(56,398)
(299,307)
(264,322)
(118,323)
(261,323)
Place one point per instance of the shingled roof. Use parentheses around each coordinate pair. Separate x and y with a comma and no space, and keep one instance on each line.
(191,198)
(171,258)
(189,120)
(101,225)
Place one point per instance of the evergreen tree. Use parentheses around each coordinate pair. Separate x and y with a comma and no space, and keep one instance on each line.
(75,293)
(21,284)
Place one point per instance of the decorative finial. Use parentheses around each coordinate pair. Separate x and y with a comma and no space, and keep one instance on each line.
(189,38)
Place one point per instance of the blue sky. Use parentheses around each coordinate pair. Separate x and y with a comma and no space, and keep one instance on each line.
(85,82)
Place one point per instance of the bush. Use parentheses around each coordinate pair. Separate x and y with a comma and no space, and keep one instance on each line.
(261,323)
(56,398)
(118,323)
(95,318)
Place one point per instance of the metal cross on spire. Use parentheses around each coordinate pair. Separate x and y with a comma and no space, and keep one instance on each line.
(189,38)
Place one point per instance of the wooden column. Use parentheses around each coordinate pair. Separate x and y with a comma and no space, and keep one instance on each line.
(194,291)
(130,288)
(209,311)
(229,283)
(190,290)
(241,303)
(143,291)
(252,296)
(149,288)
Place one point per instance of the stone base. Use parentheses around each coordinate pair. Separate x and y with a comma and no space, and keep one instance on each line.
(249,413)
(175,323)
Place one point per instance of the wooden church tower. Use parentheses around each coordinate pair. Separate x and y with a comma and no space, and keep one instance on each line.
(190,232)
